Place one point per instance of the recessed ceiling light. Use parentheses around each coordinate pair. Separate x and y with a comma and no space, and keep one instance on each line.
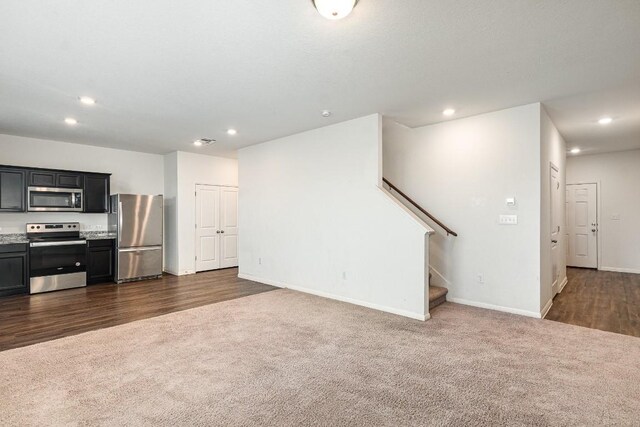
(71,121)
(326,113)
(197,143)
(605,120)
(232,131)
(87,100)
(449,112)
(334,9)
(575,150)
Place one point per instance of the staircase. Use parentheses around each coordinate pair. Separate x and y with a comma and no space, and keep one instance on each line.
(437,295)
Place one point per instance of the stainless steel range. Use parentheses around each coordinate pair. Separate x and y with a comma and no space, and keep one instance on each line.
(57,257)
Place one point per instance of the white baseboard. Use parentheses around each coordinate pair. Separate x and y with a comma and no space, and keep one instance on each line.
(494,307)
(546,309)
(563,284)
(620,270)
(386,309)
(173,273)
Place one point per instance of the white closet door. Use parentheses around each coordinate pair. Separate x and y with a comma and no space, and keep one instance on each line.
(207,227)
(228,227)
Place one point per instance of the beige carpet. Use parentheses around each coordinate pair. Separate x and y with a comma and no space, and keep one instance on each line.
(283,358)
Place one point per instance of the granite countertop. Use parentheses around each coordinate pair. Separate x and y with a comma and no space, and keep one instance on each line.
(98,235)
(15,238)
(12,239)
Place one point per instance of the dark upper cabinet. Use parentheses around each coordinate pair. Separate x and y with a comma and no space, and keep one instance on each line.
(12,190)
(42,179)
(100,261)
(13,269)
(69,180)
(96,193)
(14,182)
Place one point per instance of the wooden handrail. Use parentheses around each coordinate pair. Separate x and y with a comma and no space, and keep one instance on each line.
(420,208)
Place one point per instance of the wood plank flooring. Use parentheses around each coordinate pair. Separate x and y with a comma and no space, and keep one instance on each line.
(599,300)
(29,319)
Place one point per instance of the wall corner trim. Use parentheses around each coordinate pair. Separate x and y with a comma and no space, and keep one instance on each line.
(404,313)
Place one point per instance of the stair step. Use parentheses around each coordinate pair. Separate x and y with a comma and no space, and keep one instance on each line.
(437,295)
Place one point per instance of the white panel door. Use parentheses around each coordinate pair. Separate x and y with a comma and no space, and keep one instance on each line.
(582,225)
(556,245)
(228,227)
(207,227)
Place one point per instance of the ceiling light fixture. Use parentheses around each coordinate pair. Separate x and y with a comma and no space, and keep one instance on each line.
(231,132)
(334,9)
(449,112)
(605,120)
(203,141)
(326,113)
(575,150)
(87,100)
(71,121)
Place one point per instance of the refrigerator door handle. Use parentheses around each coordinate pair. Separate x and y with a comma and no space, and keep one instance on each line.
(148,248)
(119,221)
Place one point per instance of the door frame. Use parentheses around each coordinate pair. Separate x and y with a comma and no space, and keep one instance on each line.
(555,289)
(598,210)
(195,219)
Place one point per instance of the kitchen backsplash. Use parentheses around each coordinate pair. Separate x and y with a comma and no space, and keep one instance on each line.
(11,223)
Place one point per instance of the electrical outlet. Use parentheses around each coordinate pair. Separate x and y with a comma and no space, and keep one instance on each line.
(480,278)
(508,220)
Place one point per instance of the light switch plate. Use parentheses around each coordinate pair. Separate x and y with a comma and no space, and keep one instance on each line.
(508,220)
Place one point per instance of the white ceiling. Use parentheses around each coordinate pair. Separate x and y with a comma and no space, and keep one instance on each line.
(166,72)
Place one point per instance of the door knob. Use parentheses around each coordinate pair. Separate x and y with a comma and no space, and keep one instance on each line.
(222,231)
(593,230)
(218,231)
(554,241)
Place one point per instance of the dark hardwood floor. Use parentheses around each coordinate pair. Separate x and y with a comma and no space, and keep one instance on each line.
(29,319)
(599,300)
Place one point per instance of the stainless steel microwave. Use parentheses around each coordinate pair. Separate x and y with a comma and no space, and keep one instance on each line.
(47,199)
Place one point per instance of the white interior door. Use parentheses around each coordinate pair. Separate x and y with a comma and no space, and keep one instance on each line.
(207,227)
(228,227)
(556,241)
(582,225)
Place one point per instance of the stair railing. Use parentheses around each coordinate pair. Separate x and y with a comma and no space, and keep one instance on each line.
(420,208)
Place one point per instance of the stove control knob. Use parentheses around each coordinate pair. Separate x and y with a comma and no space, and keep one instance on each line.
(32,227)
(38,227)
(77,264)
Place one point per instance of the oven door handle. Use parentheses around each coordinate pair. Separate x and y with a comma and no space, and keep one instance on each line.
(66,243)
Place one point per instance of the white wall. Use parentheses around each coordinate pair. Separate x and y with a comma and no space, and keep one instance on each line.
(313,218)
(462,171)
(553,150)
(618,176)
(132,172)
(190,169)
(171,258)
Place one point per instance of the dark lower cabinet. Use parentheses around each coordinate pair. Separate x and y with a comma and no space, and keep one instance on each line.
(12,190)
(100,261)
(13,269)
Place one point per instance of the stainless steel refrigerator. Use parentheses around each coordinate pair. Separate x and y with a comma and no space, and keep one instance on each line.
(137,221)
